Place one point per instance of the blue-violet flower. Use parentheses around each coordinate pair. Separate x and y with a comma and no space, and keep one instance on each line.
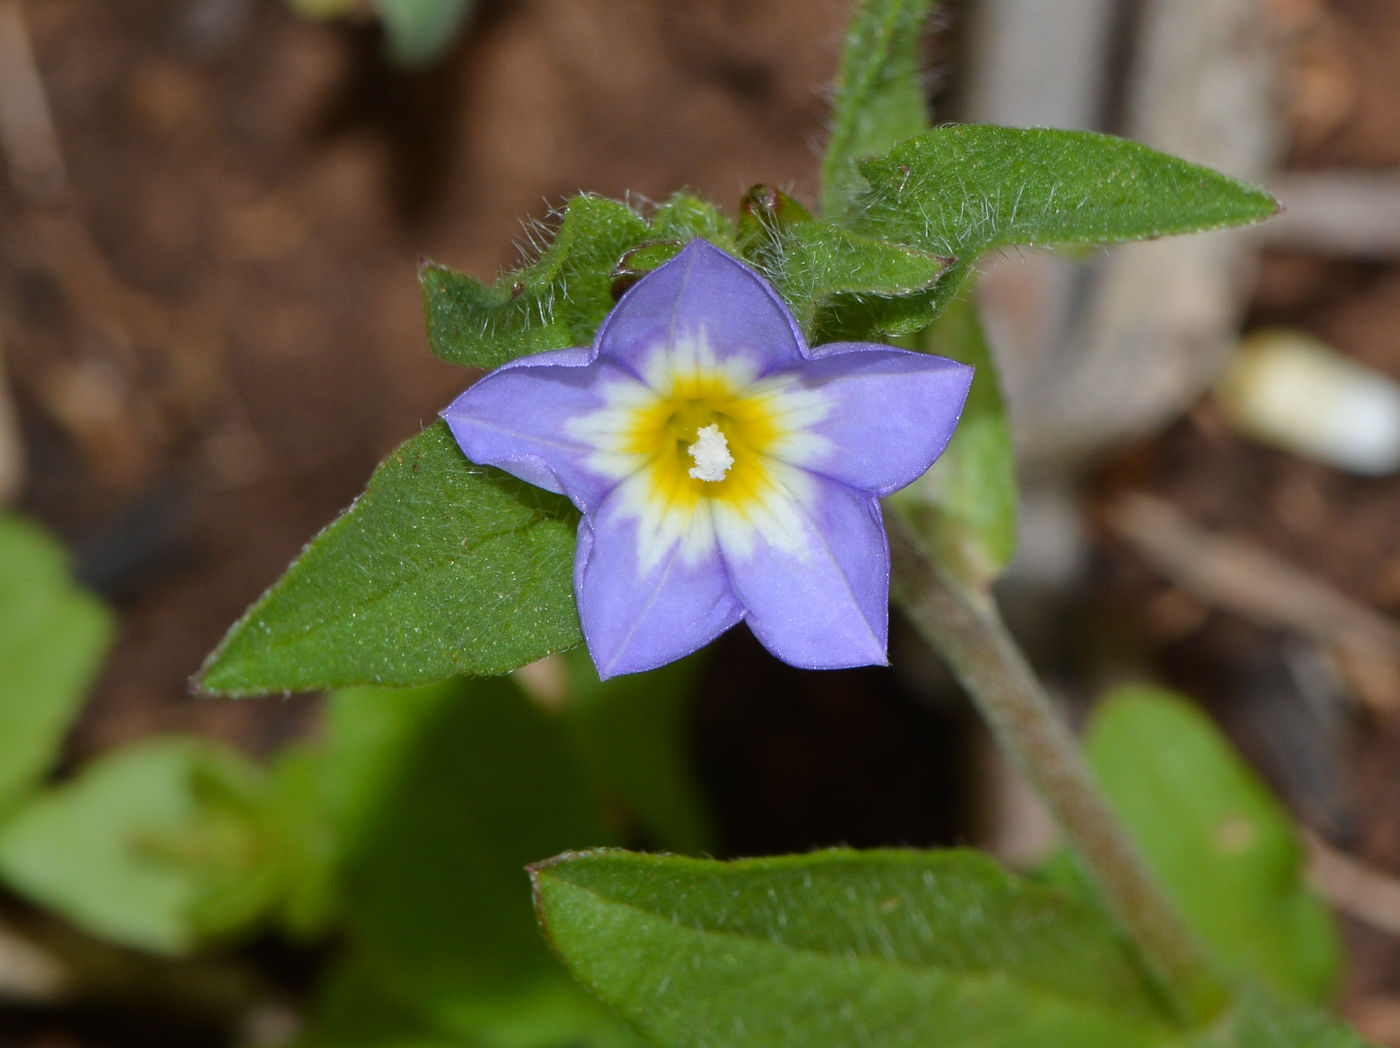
(725,471)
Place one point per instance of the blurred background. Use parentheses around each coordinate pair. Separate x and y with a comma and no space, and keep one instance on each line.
(210,332)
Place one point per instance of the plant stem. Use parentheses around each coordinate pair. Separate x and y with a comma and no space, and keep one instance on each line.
(965,628)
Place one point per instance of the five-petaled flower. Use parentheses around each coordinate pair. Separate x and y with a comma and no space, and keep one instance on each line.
(724,470)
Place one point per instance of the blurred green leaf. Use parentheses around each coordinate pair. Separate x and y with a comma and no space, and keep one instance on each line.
(97,850)
(959,191)
(53,637)
(878,100)
(1223,846)
(469,784)
(441,567)
(633,736)
(841,948)
(419,32)
(555,303)
(966,504)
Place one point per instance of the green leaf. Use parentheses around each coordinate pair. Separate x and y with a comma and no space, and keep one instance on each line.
(53,638)
(441,567)
(632,733)
(555,303)
(419,32)
(959,191)
(823,271)
(966,504)
(96,850)
(878,98)
(471,783)
(840,948)
(1223,846)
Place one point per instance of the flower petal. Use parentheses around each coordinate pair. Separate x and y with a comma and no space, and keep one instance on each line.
(816,590)
(889,413)
(704,295)
(639,615)
(519,419)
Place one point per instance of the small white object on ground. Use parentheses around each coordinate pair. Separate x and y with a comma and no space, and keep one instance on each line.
(1288,389)
(711,454)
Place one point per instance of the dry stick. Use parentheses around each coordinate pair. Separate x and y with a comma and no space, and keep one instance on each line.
(967,631)
(1249,581)
(1359,890)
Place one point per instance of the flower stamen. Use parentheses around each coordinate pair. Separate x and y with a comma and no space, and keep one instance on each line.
(711,454)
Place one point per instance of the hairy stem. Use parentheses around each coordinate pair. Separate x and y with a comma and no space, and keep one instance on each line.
(965,628)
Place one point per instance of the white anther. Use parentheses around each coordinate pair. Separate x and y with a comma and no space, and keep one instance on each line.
(711,454)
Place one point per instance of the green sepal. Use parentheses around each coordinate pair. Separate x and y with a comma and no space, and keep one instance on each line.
(827,274)
(598,251)
(557,302)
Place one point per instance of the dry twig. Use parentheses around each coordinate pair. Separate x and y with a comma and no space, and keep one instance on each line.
(1242,578)
(1354,888)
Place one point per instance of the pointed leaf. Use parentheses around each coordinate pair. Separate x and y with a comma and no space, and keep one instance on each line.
(841,948)
(878,98)
(53,637)
(441,567)
(959,191)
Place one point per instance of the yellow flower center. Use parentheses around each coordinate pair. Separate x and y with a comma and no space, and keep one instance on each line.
(689,432)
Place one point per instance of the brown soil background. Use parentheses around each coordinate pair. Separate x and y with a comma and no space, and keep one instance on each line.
(264,190)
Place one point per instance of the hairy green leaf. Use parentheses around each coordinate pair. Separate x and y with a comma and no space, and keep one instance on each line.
(1223,846)
(826,273)
(878,98)
(555,303)
(840,948)
(959,191)
(966,504)
(53,637)
(441,567)
(98,850)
